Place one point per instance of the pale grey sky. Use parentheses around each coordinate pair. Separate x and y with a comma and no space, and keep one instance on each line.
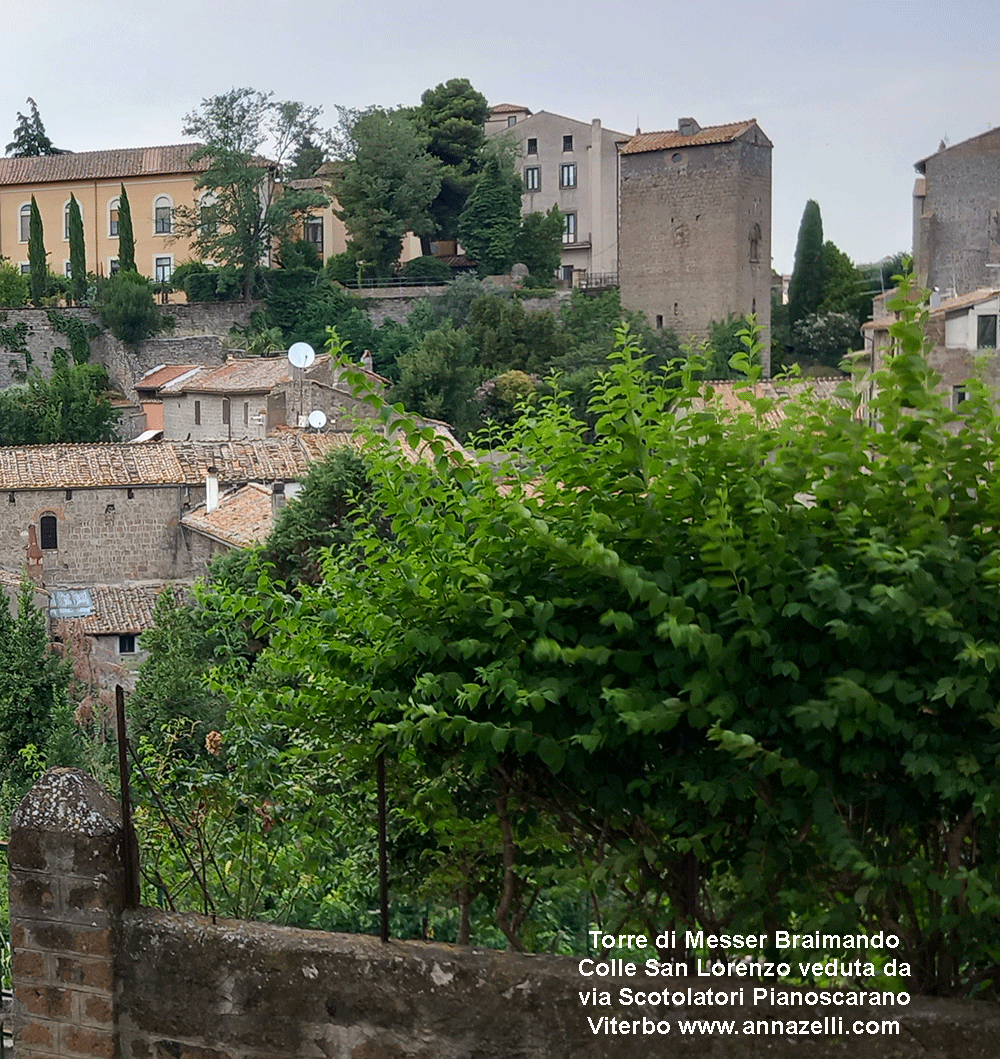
(852,93)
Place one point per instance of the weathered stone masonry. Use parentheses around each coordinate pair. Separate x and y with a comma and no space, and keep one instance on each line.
(93,980)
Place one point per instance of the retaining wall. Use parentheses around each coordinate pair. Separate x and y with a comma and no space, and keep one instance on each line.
(94,980)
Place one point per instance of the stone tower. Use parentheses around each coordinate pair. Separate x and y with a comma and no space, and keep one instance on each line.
(695,226)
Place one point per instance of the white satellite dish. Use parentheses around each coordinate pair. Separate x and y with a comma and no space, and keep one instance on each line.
(301,355)
(317,419)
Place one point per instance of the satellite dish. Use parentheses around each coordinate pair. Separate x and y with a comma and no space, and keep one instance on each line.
(317,419)
(301,355)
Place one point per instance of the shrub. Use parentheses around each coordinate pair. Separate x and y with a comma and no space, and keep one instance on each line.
(426,267)
(128,308)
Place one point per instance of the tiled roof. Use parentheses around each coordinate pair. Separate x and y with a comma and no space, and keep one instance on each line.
(118,164)
(112,608)
(239,375)
(156,377)
(508,108)
(728,392)
(963,300)
(282,457)
(665,141)
(243,517)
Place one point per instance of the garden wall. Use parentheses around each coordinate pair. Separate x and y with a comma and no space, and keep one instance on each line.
(94,980)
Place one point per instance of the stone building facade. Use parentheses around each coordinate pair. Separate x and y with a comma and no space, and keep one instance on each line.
(956,216)
(695,225)
(108,514)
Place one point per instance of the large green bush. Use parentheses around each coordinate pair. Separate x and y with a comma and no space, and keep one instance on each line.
(750,662)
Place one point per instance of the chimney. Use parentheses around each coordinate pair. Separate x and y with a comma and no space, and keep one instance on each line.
(211,490)
(277,498)
(688,126)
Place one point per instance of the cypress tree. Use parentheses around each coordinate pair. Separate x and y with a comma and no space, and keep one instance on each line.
(38,270)
(126,240)
(77,253)
(805,291)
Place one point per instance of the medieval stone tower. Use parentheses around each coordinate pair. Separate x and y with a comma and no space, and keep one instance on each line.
(695,226)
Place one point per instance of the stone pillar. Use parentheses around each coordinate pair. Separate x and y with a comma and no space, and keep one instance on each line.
(66,896)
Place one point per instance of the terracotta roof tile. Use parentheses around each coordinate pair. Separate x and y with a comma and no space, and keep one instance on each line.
(508,108)
(982,294)
(665,141)
(279,458)
(118,164)
(239,375)
(121,608)
(156,377)
(728,393)
(244,517)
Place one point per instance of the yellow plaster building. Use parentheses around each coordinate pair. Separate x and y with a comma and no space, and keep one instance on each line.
(157,180)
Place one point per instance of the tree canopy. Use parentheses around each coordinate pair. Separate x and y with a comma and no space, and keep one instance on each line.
(748,662)
(30,138)
(491,219)
(451,116)
(806,287)
(386,188)
(241,215)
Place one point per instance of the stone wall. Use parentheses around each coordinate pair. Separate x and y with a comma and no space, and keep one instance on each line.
(104,534)
(94,980)
(685,254)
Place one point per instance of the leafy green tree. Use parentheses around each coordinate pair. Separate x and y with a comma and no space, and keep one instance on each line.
(171,685)
(77,253)
(452,117)
(70,406)
(34,685)
(386,189)
(13,286)
(242,214)
(491,219)
(845,288)
(128,308)
(38,269)
(29,136)
(506,337)
(753,710)
(126,237)
(726,341)
(439,380)
(539,243)
(306,159)
(828,337)
(805,291)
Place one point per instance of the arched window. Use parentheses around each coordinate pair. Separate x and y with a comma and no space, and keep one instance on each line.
(163,215)
(24,217)
(207,214)
(113,207)
(49,532)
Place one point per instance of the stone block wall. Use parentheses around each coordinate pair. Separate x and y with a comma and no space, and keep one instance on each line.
(95,980)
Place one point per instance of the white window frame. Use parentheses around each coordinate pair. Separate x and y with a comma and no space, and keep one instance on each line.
(114,207)
(24,222)
(569,227)
(157,258)
(567,175)
(532,178)
(114,265)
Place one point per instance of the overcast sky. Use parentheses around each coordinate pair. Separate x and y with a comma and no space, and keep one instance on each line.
(850,93)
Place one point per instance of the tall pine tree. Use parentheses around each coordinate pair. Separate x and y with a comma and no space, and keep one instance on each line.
(38,270)
(491,218)
(29,136)
(805,291)
(126,239)
(77,253)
